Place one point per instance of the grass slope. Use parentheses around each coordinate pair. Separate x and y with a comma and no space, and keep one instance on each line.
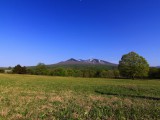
(26,97)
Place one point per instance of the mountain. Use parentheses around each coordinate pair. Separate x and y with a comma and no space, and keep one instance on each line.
(88,61)
(84,64)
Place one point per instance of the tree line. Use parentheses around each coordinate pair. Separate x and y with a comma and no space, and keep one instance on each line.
(42,69)
(131,65)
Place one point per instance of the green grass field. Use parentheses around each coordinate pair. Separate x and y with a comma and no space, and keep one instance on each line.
(26,97)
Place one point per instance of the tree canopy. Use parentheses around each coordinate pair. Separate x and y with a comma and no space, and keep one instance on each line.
(133,65)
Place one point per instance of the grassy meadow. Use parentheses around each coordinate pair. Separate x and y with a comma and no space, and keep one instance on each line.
(29,97)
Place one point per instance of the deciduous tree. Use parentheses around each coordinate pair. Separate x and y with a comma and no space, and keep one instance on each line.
(133,65)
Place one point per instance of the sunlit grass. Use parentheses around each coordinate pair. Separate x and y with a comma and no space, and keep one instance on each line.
(27,97)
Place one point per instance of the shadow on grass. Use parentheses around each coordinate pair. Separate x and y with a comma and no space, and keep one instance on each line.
(123,95)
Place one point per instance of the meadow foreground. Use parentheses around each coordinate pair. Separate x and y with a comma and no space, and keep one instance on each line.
(26,97)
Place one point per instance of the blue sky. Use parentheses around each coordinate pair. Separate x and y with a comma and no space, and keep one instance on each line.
(49,31)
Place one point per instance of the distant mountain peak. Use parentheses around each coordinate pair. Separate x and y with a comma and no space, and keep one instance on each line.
(72,60)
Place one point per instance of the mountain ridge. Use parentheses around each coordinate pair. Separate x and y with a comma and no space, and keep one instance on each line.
(87,61)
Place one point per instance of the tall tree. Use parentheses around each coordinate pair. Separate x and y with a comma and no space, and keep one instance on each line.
(133,65)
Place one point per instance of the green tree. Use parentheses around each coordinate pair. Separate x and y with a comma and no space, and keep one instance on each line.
(107,74)
(132,66)
(104,74)
(30,71)
(41,69)
(69,72)
(78,73)
(59,72)
(18,69)
(154,72)
(116,73)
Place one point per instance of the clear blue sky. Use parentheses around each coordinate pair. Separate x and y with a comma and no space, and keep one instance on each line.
(49,31)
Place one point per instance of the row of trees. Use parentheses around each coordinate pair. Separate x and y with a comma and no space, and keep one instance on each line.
(42,69)
(131,65)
